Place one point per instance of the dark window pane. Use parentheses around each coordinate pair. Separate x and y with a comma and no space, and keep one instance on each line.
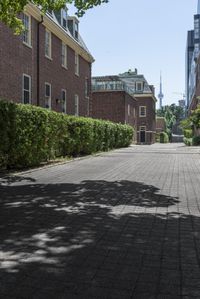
(26,97)
(26,83)
(47,90)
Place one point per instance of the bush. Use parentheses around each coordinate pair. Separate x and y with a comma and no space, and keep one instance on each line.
(196,140)
(30,135)
(187,141)
(164,138)
(188,133)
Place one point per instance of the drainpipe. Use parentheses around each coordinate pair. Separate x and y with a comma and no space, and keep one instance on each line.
(38,60)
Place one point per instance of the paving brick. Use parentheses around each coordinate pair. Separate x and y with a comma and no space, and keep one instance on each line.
(124,224)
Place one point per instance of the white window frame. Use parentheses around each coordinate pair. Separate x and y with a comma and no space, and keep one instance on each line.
(138,84)
(27,30)
(76,105)
(76,30)
(48,46)
(47,98)
(64,103)
(76,64)
(63,17)
(64,55)
(23,89)
(140,111)
(134,113)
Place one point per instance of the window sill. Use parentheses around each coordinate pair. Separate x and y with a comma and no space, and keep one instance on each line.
(27,45)
(142,116)
(64,67)
(48,57)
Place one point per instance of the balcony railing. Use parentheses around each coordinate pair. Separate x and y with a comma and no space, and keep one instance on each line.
(110,86)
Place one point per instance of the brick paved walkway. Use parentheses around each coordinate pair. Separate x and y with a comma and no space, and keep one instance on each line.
(125,224)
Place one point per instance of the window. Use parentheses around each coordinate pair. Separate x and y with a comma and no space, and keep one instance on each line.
(48,95)
(76,30)
(63,101)
(26,19)
(76,64)
(76,105)
(26,89)
(64,18)
(196,28)
(143,128)
(86,88)
(134,114)
(196,49)
(129,110)
(142,111)
(64,55)
(47,43)
(139,86)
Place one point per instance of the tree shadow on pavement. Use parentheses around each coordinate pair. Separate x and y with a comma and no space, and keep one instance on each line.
(97,239)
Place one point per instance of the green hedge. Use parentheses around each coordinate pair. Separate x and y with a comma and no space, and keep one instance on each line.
(164,138)
(196,140)
(187,141)
(30,135)
(188,133)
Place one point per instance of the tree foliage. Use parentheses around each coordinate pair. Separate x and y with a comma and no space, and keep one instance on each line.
(177,111)
(172,114)
(10,9)
(193,121)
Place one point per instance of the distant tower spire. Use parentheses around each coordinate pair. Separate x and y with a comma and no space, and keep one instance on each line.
(198,7)
(160,95)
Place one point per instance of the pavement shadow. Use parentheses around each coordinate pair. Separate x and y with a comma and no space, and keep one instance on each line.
(95,240)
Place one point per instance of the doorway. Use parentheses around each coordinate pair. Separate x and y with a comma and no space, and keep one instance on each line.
(143,134)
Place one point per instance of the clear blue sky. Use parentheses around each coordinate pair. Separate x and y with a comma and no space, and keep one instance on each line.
(149,35)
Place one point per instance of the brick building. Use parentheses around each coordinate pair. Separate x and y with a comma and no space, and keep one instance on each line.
(145,96)
(111,100)
(160,124)
(48,65)
(126,98)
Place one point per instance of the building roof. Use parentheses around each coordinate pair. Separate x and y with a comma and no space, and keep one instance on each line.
(131,78)
(79,40)
(52,23)
(129,82)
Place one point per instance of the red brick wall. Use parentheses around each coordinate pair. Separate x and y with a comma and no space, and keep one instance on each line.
(16,59)
(132,118)
(113,106)
(150,120)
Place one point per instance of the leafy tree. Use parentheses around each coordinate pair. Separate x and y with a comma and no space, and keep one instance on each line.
(177,111)
(172,115)
(10,9)
(193,121)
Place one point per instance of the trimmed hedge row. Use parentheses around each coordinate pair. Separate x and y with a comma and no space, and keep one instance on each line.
(188,133)
(195,140)
(187,141)
(162,137)
(30,135)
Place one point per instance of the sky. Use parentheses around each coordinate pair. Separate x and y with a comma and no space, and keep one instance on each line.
(147,35)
